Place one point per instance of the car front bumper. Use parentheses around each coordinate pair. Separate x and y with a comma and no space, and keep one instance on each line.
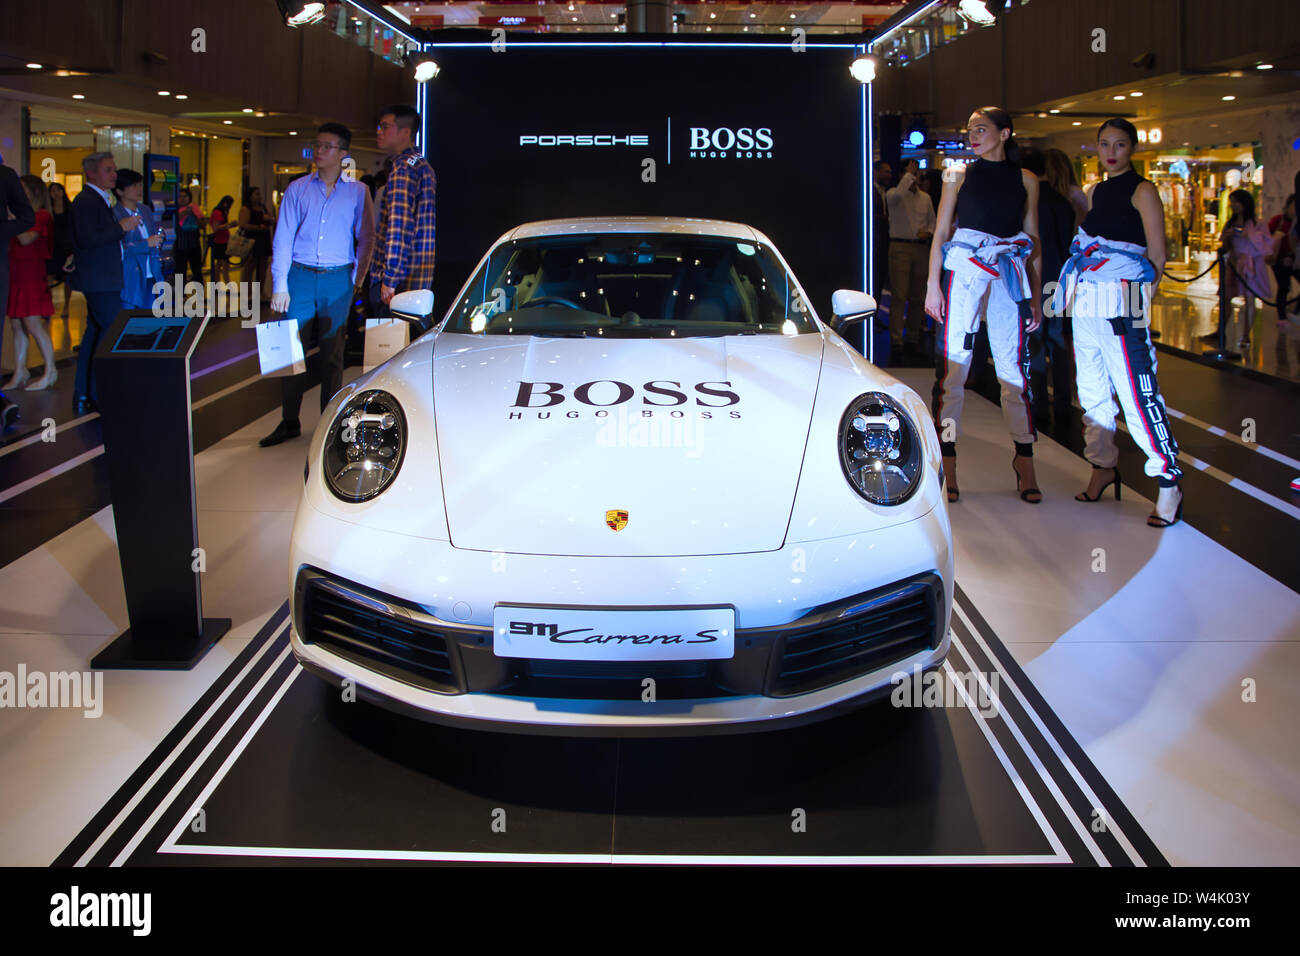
(821,627)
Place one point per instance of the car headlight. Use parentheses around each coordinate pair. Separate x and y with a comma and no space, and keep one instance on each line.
(880,449)
(364,447)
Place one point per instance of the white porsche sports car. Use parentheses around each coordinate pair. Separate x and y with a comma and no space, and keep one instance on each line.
(630,483)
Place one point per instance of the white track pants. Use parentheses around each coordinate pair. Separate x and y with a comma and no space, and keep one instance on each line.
(1126,363)
(967,299)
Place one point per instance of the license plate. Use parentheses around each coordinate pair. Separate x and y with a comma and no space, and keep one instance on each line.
(599,634)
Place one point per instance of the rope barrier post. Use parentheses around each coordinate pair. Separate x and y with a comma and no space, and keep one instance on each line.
(1221,351)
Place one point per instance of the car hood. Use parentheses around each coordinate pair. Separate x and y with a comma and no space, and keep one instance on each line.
(544,442)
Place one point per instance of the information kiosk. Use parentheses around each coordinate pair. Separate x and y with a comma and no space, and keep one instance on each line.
(143,373)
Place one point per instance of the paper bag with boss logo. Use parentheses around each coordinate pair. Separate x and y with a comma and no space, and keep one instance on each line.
(384,339)
(279,348)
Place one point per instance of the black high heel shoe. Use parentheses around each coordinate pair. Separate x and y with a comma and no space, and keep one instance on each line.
(1083,495)
(1024,495)
(1155,521)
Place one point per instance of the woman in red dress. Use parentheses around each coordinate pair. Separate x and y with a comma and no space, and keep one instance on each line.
(30,303)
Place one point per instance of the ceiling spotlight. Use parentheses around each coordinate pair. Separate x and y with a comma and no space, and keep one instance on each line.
(34,66)
(1136,93)
(164,92)
(792,16)
(248,109)
(293,132)
(975,11)
(1076,123)
(182,96)
(1228,98)
(298,14)
(425,69)
(78,96)
(1042,116)
(713,16)
(1053,111)
(228,122)
(863,69)
(1264,66)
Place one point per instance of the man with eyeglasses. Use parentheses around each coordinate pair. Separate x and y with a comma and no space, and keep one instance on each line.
(404,243)
(322,247)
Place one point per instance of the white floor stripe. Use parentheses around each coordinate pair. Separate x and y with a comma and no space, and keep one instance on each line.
(193,768)
(1061,855)
(235,753)
(1071,814)
(1235,439)
(444,856)
(220,365)
(1232,482)
(34,437)
(170,845)
(49,473)
(1083,785)
(178,749)
(86,456)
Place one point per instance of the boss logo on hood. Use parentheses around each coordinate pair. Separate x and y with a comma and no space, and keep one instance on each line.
(604,393)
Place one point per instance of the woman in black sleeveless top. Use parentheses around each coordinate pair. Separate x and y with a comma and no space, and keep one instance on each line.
(984,266)
(1119,255)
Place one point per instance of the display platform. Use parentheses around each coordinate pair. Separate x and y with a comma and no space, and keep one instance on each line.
(277,767)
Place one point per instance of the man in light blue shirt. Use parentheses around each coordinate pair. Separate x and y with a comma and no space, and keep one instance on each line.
(322,248)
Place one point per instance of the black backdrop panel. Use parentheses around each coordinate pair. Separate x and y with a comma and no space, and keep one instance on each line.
(804,190)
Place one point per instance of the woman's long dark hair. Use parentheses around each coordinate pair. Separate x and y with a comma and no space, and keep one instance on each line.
(1247,202)
(248,195)
(1002,120)
(225,204)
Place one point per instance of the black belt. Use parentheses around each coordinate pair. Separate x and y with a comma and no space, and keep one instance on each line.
(897,239)
(346,265)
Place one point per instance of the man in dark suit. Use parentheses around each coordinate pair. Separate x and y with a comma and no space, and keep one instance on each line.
(97,245)
(13,200)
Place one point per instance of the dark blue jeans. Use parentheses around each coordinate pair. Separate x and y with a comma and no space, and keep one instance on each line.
(320,302)
(101,310)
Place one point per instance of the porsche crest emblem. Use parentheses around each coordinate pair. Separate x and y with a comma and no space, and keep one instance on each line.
(617,520)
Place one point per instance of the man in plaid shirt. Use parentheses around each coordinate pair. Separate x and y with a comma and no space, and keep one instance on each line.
(404,242)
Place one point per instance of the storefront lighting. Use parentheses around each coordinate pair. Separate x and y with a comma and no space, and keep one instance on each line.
(863,69)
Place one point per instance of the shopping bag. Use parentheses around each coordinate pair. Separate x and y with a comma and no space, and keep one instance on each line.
(384,339)
(239,245)
(279,348)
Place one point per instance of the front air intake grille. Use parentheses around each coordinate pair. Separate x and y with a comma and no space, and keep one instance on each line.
(369,633)
(876,633)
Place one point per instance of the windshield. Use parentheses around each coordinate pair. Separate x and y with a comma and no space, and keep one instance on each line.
(629,285)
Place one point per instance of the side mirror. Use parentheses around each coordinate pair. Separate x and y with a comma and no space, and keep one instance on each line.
(413,306)
(849,306)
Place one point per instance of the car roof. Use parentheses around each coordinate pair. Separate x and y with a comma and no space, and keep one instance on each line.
(666,224)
